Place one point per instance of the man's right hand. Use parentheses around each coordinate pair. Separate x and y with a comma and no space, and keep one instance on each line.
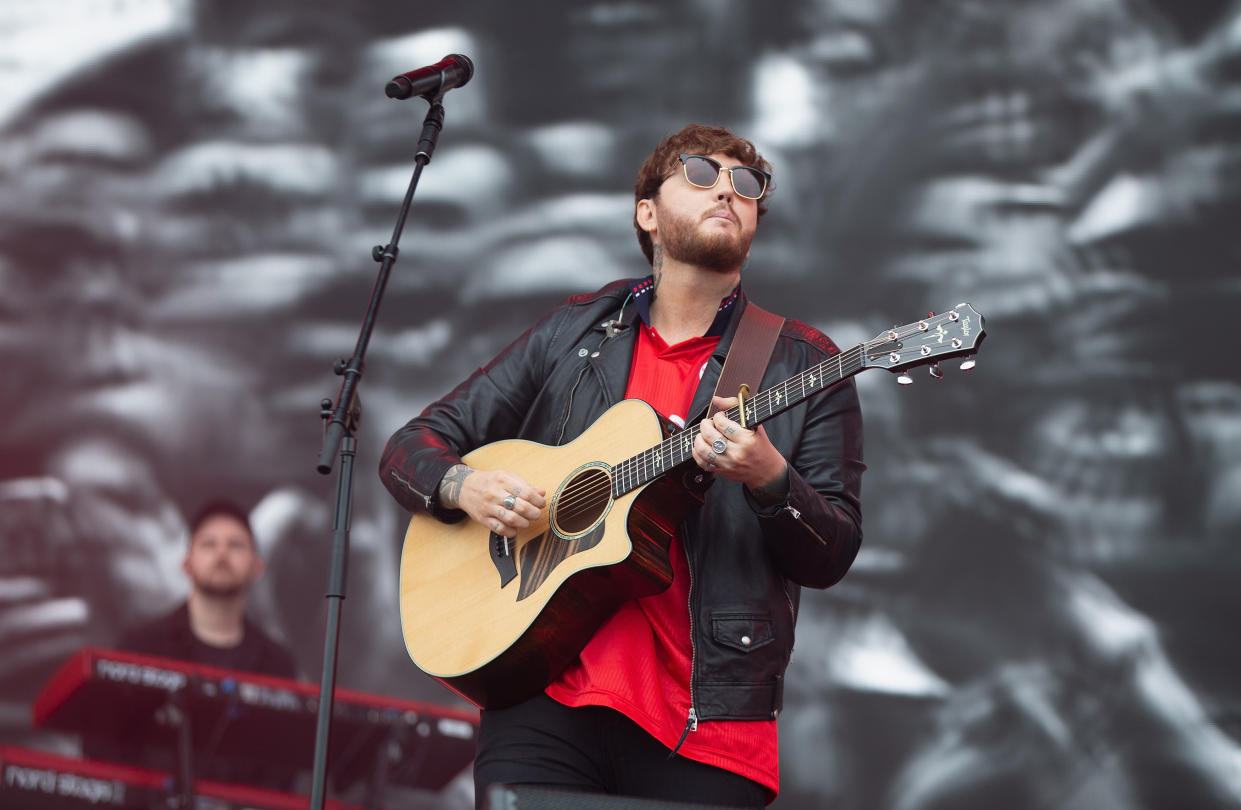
(500,500)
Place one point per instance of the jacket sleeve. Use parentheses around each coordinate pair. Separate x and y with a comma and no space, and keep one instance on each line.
(815,534)
(488,406)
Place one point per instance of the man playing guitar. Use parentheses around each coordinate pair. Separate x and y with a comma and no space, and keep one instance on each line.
(696,669)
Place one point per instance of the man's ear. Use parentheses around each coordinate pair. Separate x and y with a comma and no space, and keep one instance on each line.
(646,216)
(257,568)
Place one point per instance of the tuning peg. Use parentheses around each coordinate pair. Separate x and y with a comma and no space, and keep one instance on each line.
(936,372)
(968,363)
(904,379)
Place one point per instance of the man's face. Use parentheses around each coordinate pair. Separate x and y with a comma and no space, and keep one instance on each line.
(708,227)
(222,560)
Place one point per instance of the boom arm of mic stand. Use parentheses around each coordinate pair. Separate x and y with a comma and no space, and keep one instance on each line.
(342,421)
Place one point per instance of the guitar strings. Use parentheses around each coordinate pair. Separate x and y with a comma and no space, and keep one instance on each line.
(593,492)
(580,496)
(586,497)
(672,451)
(762,402)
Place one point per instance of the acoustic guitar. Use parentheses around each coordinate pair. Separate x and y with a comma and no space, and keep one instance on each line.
(497,619)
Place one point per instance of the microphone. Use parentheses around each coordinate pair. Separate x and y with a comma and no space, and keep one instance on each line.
(452,71)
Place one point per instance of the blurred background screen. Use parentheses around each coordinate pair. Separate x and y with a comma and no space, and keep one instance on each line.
(1040,615)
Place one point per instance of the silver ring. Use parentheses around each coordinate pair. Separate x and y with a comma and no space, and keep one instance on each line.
(719,446)
(510,501)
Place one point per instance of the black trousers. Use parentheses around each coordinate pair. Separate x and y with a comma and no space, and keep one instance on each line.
(595,750)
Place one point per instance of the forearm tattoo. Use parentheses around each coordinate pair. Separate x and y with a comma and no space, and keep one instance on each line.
(452,483)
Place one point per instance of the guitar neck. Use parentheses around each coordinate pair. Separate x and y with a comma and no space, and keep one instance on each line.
(648,465)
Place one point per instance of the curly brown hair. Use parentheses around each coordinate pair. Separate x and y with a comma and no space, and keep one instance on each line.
(696,139)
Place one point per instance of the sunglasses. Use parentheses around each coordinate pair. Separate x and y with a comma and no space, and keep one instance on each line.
(704,172)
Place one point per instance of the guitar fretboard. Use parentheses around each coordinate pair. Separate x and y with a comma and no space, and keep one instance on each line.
(648,465)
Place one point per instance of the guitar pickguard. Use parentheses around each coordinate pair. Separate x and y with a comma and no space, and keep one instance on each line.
(540,556)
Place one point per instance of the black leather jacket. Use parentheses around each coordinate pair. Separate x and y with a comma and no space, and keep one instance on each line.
(746,562)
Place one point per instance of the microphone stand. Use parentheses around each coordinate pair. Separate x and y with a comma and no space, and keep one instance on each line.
(342,422)
(177,712)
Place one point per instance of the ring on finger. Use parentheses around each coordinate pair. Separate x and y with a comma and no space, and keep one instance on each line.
(510,500)
(719,446)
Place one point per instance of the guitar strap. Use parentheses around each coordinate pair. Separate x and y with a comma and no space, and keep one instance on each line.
(749,353)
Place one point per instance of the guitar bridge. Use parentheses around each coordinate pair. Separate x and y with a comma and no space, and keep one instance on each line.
(502,557)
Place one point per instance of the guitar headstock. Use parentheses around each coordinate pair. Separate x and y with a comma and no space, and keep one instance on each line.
(955,333)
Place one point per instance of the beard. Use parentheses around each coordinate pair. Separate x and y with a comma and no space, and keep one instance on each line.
(683,241)
(220,591)
(220,583)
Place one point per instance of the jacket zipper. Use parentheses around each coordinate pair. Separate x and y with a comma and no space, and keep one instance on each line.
(408,485)
(797,516)
(691,722)
(568,411)
(569,408)
(690,725)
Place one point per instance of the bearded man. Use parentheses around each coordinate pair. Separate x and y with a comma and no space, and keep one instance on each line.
(675,695)
(211,627)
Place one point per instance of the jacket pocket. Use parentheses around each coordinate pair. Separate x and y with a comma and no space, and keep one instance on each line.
(744,632)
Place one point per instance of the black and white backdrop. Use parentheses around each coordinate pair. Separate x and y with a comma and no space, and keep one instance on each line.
(1042,612)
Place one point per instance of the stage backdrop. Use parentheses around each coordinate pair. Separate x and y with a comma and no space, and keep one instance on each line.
(1042,612)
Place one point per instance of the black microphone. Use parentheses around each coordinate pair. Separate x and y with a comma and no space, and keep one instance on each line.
(452,71)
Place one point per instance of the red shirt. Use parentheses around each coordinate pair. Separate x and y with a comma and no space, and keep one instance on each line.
(638,662)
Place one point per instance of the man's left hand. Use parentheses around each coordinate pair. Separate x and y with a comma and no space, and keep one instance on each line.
(748,456)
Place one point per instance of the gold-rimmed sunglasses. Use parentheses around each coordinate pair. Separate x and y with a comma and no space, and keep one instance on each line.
(704,172)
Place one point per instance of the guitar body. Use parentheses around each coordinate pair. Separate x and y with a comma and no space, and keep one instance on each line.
(497,643)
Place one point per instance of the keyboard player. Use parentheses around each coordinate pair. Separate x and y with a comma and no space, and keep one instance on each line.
(222,562)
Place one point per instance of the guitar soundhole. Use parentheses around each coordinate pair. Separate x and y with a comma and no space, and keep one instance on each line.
(582,501)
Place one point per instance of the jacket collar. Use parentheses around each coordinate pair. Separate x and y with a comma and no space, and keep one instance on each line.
(643,292)
(614,375)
